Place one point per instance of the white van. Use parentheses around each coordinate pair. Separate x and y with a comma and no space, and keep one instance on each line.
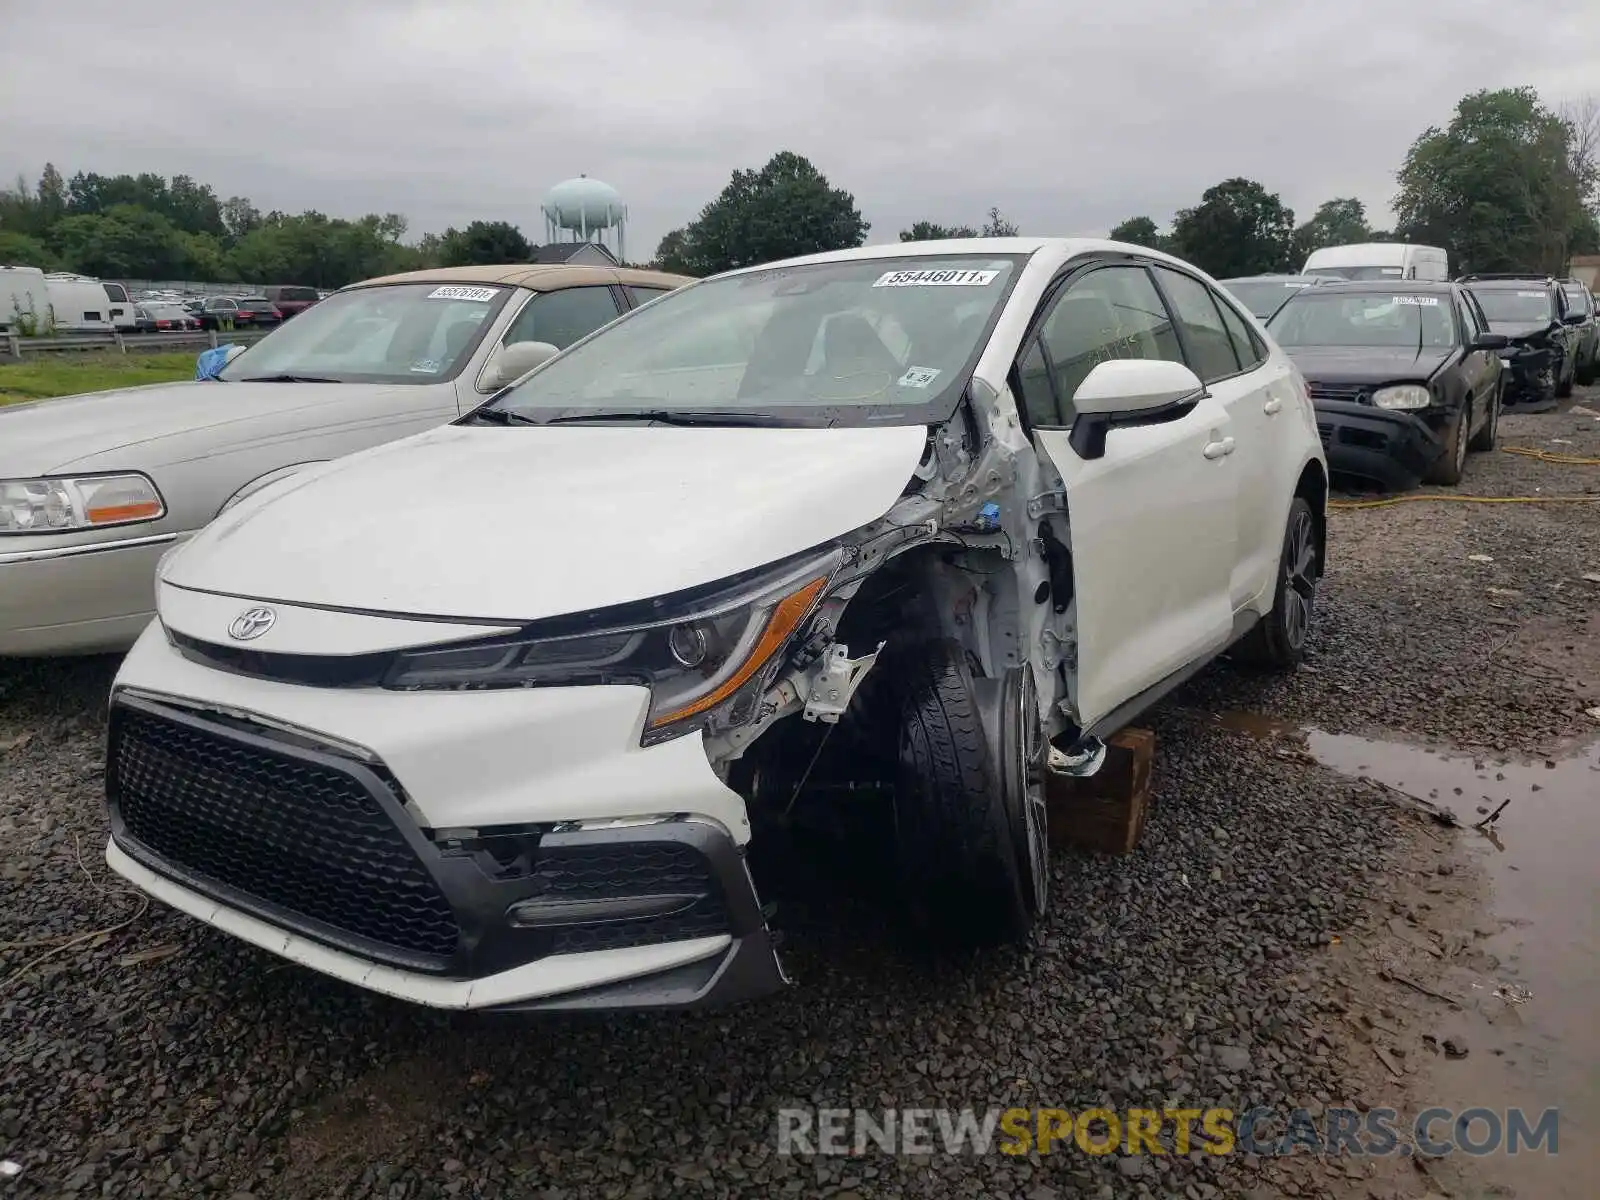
(22,293)
(1379,260)
(80,304)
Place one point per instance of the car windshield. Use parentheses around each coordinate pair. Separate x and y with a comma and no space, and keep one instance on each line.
(1521,306)
(1263,297)
(1578,300)
(1356,274)
(408,333)
(1376,319)
(881,341)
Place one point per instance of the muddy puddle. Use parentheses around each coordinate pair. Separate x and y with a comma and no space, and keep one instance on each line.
(1527,970)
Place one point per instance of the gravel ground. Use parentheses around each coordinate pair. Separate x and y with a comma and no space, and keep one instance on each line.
(144,1055)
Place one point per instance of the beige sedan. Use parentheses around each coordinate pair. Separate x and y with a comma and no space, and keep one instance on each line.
(94,489)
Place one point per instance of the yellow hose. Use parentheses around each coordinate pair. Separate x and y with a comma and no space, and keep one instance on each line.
(1546,456)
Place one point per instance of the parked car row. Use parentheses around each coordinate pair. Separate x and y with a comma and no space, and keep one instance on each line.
(487,714)
(1409,372)
(62,302)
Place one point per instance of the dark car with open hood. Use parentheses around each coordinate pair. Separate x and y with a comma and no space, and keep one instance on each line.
(1544,328)
(1405,377)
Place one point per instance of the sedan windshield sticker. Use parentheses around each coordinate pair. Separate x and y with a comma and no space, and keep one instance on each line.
(936,279)
(1531,295)
(480,294)
(426,366)
(919,377)
(1428,301)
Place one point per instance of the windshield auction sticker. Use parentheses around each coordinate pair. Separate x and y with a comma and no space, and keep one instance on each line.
(1425,301)
(456,292)
(936,279)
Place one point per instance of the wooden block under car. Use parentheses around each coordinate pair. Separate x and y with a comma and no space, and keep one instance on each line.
(1106,811)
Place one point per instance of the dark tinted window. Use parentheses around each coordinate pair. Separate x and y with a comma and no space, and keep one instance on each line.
(292,293)
(1114,312)
(563,317)
(1209,344)
(116,293)
(1245,343)
(643,295)
(1579,300)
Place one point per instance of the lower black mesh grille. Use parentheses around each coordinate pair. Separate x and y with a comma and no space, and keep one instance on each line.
(632,869)
(257,823)
(1353,393)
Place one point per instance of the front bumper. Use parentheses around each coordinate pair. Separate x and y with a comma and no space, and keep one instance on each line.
(1375,445)
(90,598)
(434,885)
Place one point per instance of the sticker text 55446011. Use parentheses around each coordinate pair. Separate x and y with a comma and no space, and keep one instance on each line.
(931,278)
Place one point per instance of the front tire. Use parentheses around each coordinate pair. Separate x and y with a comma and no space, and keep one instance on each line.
(965,878)
(1484,439)
(1453,462)
(1564,388)
(1278,641)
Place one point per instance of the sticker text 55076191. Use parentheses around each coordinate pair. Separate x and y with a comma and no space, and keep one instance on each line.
(458,292)
(928,278)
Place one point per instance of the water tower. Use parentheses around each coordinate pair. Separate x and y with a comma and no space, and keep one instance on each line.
(586,208)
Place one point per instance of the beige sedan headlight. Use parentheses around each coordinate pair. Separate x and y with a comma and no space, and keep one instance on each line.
(77,502)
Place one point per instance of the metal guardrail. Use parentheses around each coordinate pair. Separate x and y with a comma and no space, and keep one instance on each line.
(17,347)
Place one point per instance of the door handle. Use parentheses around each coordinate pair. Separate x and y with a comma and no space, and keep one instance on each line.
(1272,406)
(1218,449)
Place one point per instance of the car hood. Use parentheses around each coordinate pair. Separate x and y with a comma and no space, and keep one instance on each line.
(1360,364)
(515,524)
(47,435)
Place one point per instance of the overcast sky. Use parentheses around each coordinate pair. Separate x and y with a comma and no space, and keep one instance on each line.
(1069,115)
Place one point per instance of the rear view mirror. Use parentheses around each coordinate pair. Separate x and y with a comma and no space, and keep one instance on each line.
(510,363)
(1129,391)
(1490,341)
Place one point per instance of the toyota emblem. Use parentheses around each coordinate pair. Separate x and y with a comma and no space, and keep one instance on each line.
(252,623)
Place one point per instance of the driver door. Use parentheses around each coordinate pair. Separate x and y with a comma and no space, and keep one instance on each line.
(1152,522)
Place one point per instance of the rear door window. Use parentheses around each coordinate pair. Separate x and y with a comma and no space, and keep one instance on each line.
(561,318)
(1210,348)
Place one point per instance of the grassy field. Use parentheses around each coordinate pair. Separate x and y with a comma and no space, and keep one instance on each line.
(47,375)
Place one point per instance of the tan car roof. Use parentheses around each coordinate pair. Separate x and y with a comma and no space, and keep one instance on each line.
(538,278)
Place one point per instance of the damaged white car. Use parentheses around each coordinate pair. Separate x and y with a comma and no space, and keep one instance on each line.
(481,718)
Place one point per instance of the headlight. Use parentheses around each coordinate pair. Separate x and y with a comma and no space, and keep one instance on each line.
(81,502)
(706,667)
(1407,395)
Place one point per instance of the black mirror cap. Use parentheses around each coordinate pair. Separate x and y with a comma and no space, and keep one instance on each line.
(1574,319)
(1490,341)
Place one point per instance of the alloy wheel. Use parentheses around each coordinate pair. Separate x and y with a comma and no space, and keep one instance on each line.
(1300,576)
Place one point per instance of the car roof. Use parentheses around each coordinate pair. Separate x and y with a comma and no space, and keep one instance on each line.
(1277,277)
(1512,282)
(1420,286)
(1066,248)
(535,276)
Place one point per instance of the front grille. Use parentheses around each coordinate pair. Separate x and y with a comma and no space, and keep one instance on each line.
(1353,393)
(632,869)
(261,826)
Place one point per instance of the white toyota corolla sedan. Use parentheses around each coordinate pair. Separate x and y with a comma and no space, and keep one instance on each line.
(482,718)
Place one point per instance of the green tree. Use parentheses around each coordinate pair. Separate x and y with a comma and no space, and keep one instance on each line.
(786,208)
(125,241)
(1238,228)
(52,194)
(1500,187)
(928,231)
(996,225)
(25,250)
(239,217)
(1338,222)
(670,252)
(1139,231)
(484,242)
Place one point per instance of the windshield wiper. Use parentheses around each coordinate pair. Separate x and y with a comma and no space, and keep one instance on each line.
(286,378)
(499,416)
(664,416)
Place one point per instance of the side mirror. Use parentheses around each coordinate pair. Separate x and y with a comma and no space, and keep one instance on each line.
(1574,319)
(233,353)
(510,363)
(1129,391)
(1490,341)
